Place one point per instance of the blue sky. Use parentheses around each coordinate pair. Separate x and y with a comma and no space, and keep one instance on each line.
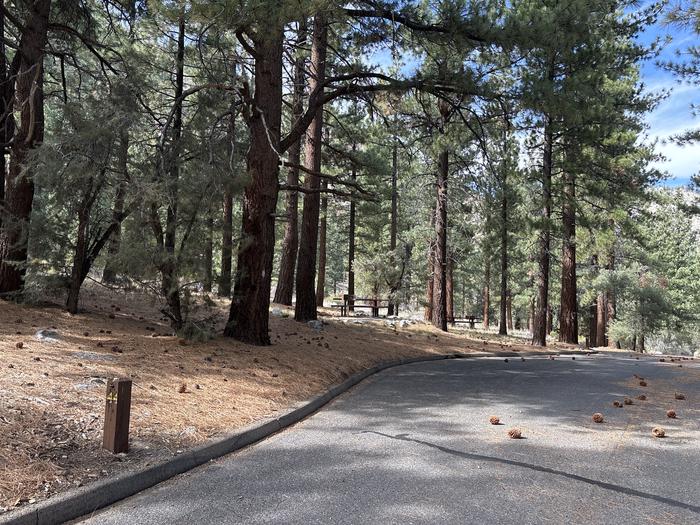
(673,114)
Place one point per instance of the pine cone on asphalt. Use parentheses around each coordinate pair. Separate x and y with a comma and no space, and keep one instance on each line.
(515,433)
(658,432)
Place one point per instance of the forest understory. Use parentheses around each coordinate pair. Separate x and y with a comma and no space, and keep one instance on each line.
(52,392)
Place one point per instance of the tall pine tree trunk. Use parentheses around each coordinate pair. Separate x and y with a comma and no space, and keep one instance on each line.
(170,282)
(394,220)
(509,310)
(290,242)
(351,241)
(601,319)
(612,303)
(430,285)
(209,254)
(224,286)
(502,321)
(593,312)
(19,187)
(439,310)
(249,315)
(450,290)
(6,116)
(305,308)
(539,328)
(568,331)
(224,289)
(486,290)
(321,281)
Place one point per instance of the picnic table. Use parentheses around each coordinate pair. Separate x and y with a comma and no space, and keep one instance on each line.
(471,319)
(352,302)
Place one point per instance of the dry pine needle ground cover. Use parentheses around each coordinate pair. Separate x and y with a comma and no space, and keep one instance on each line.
(52,393)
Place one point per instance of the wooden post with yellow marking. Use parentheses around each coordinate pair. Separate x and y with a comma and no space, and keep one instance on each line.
(117,412)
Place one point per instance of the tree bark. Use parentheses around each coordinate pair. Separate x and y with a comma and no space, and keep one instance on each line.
(568,322)
(6,116)
(593,325)
(439,313)
(539,329)
(321,281)
(170,285)
(509,310)
(305,308)
(19,187)
(430,286)
(209,254)
(351,241)
(249,315)
(77,276)
(393,227)
(601,319)
(224,289)
(450,291)
(504,306)
(486,291)
(612,304)
(290,243)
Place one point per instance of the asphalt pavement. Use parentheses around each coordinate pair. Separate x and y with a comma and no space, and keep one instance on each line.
(413,444)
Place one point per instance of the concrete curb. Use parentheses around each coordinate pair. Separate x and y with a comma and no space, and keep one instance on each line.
(86,500)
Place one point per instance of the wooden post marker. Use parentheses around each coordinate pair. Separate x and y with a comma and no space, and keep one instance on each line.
(117,412)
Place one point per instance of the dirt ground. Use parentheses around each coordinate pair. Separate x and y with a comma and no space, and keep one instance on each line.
(52,392)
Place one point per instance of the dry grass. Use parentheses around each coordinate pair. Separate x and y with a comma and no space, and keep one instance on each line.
(51,404)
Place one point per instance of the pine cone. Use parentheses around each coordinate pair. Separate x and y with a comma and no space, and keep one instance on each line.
(515,433)
(658,432)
